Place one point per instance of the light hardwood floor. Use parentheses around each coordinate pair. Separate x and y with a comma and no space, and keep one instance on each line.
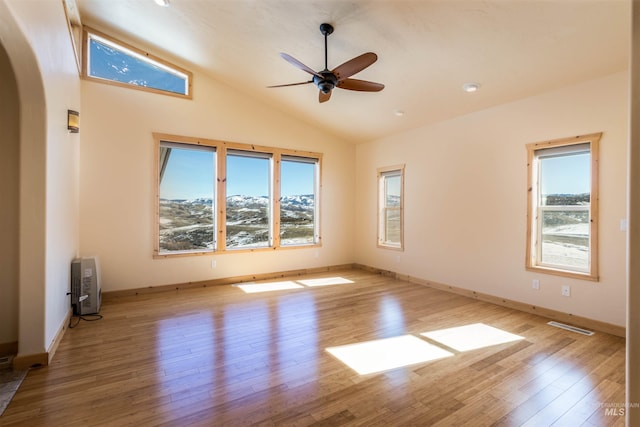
(218,356)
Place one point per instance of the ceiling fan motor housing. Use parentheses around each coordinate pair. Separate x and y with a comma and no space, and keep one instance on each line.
(327,82)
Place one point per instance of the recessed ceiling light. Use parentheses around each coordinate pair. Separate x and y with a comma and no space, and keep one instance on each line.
(163,3)
(399,113)
(470,87)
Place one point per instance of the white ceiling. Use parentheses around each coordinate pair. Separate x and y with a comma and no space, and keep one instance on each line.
(426,51)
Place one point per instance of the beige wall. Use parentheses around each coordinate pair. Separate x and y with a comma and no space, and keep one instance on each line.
(465,205)
(633,266)
(9,194)
(36,37)
(118,185)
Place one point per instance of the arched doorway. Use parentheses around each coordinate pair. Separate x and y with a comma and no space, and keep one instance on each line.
(9,212)
(28,116)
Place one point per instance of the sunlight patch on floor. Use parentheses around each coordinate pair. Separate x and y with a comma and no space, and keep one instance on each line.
(251,288)
(381,355)
(471,337)
(327,281)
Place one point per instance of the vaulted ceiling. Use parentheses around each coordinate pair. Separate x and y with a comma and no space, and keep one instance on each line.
(427,50)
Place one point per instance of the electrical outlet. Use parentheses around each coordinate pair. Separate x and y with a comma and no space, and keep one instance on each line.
(535,284)
(213,263)
(566,290)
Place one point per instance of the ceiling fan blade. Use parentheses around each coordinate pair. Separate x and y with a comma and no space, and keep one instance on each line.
(323,97)
(360,85)
(355,65)
(293,61)
(292,84)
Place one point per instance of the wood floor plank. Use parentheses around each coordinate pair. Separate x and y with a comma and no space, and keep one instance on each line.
(219,356)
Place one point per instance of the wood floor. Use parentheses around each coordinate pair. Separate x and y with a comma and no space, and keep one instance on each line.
(221,357)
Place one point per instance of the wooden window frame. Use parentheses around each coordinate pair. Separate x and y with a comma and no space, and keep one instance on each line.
(88,31)
(381,223)
(278,187)
(269,157)
(220,194)
(533,244)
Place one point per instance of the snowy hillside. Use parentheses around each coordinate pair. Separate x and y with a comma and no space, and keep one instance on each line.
(188,225)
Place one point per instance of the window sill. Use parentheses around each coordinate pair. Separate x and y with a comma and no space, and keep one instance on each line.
(564,273)
(164,255)
(393,248)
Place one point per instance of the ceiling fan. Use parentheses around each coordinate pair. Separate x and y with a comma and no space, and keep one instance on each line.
(326,80)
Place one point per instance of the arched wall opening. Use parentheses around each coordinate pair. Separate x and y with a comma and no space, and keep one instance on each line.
(9,214)
(28,261)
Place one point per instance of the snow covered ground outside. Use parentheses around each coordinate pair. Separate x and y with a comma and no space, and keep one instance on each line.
(187,225)
(566,245)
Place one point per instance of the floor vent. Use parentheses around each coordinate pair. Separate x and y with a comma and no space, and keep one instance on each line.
(570,328)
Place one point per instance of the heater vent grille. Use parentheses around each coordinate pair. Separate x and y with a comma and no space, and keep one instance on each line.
(570,328)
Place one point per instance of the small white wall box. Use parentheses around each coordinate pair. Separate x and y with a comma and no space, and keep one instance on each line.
(86,294)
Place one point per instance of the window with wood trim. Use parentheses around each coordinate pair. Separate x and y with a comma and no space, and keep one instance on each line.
(562,207)
(249,199)
(217,196)
(391,207)
(110,61)
(299,177)
(186,209)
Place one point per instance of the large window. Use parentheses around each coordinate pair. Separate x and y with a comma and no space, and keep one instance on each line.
(248,199)
(217,196)
(186,202)
(562,236)
(390,207)
(107,60)
(298,201)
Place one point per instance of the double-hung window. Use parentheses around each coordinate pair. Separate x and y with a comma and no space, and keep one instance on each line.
(390,207)
(562,233)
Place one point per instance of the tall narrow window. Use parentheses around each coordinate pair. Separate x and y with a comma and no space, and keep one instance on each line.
(249,186)
(562,233)
(298,200)
(390,207)
(186,206)
(107,60)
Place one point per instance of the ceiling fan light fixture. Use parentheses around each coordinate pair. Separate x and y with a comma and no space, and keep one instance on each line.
(471,87)
(325,87)
(163,3)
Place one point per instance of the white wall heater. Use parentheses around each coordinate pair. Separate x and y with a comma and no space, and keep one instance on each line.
(86,295)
